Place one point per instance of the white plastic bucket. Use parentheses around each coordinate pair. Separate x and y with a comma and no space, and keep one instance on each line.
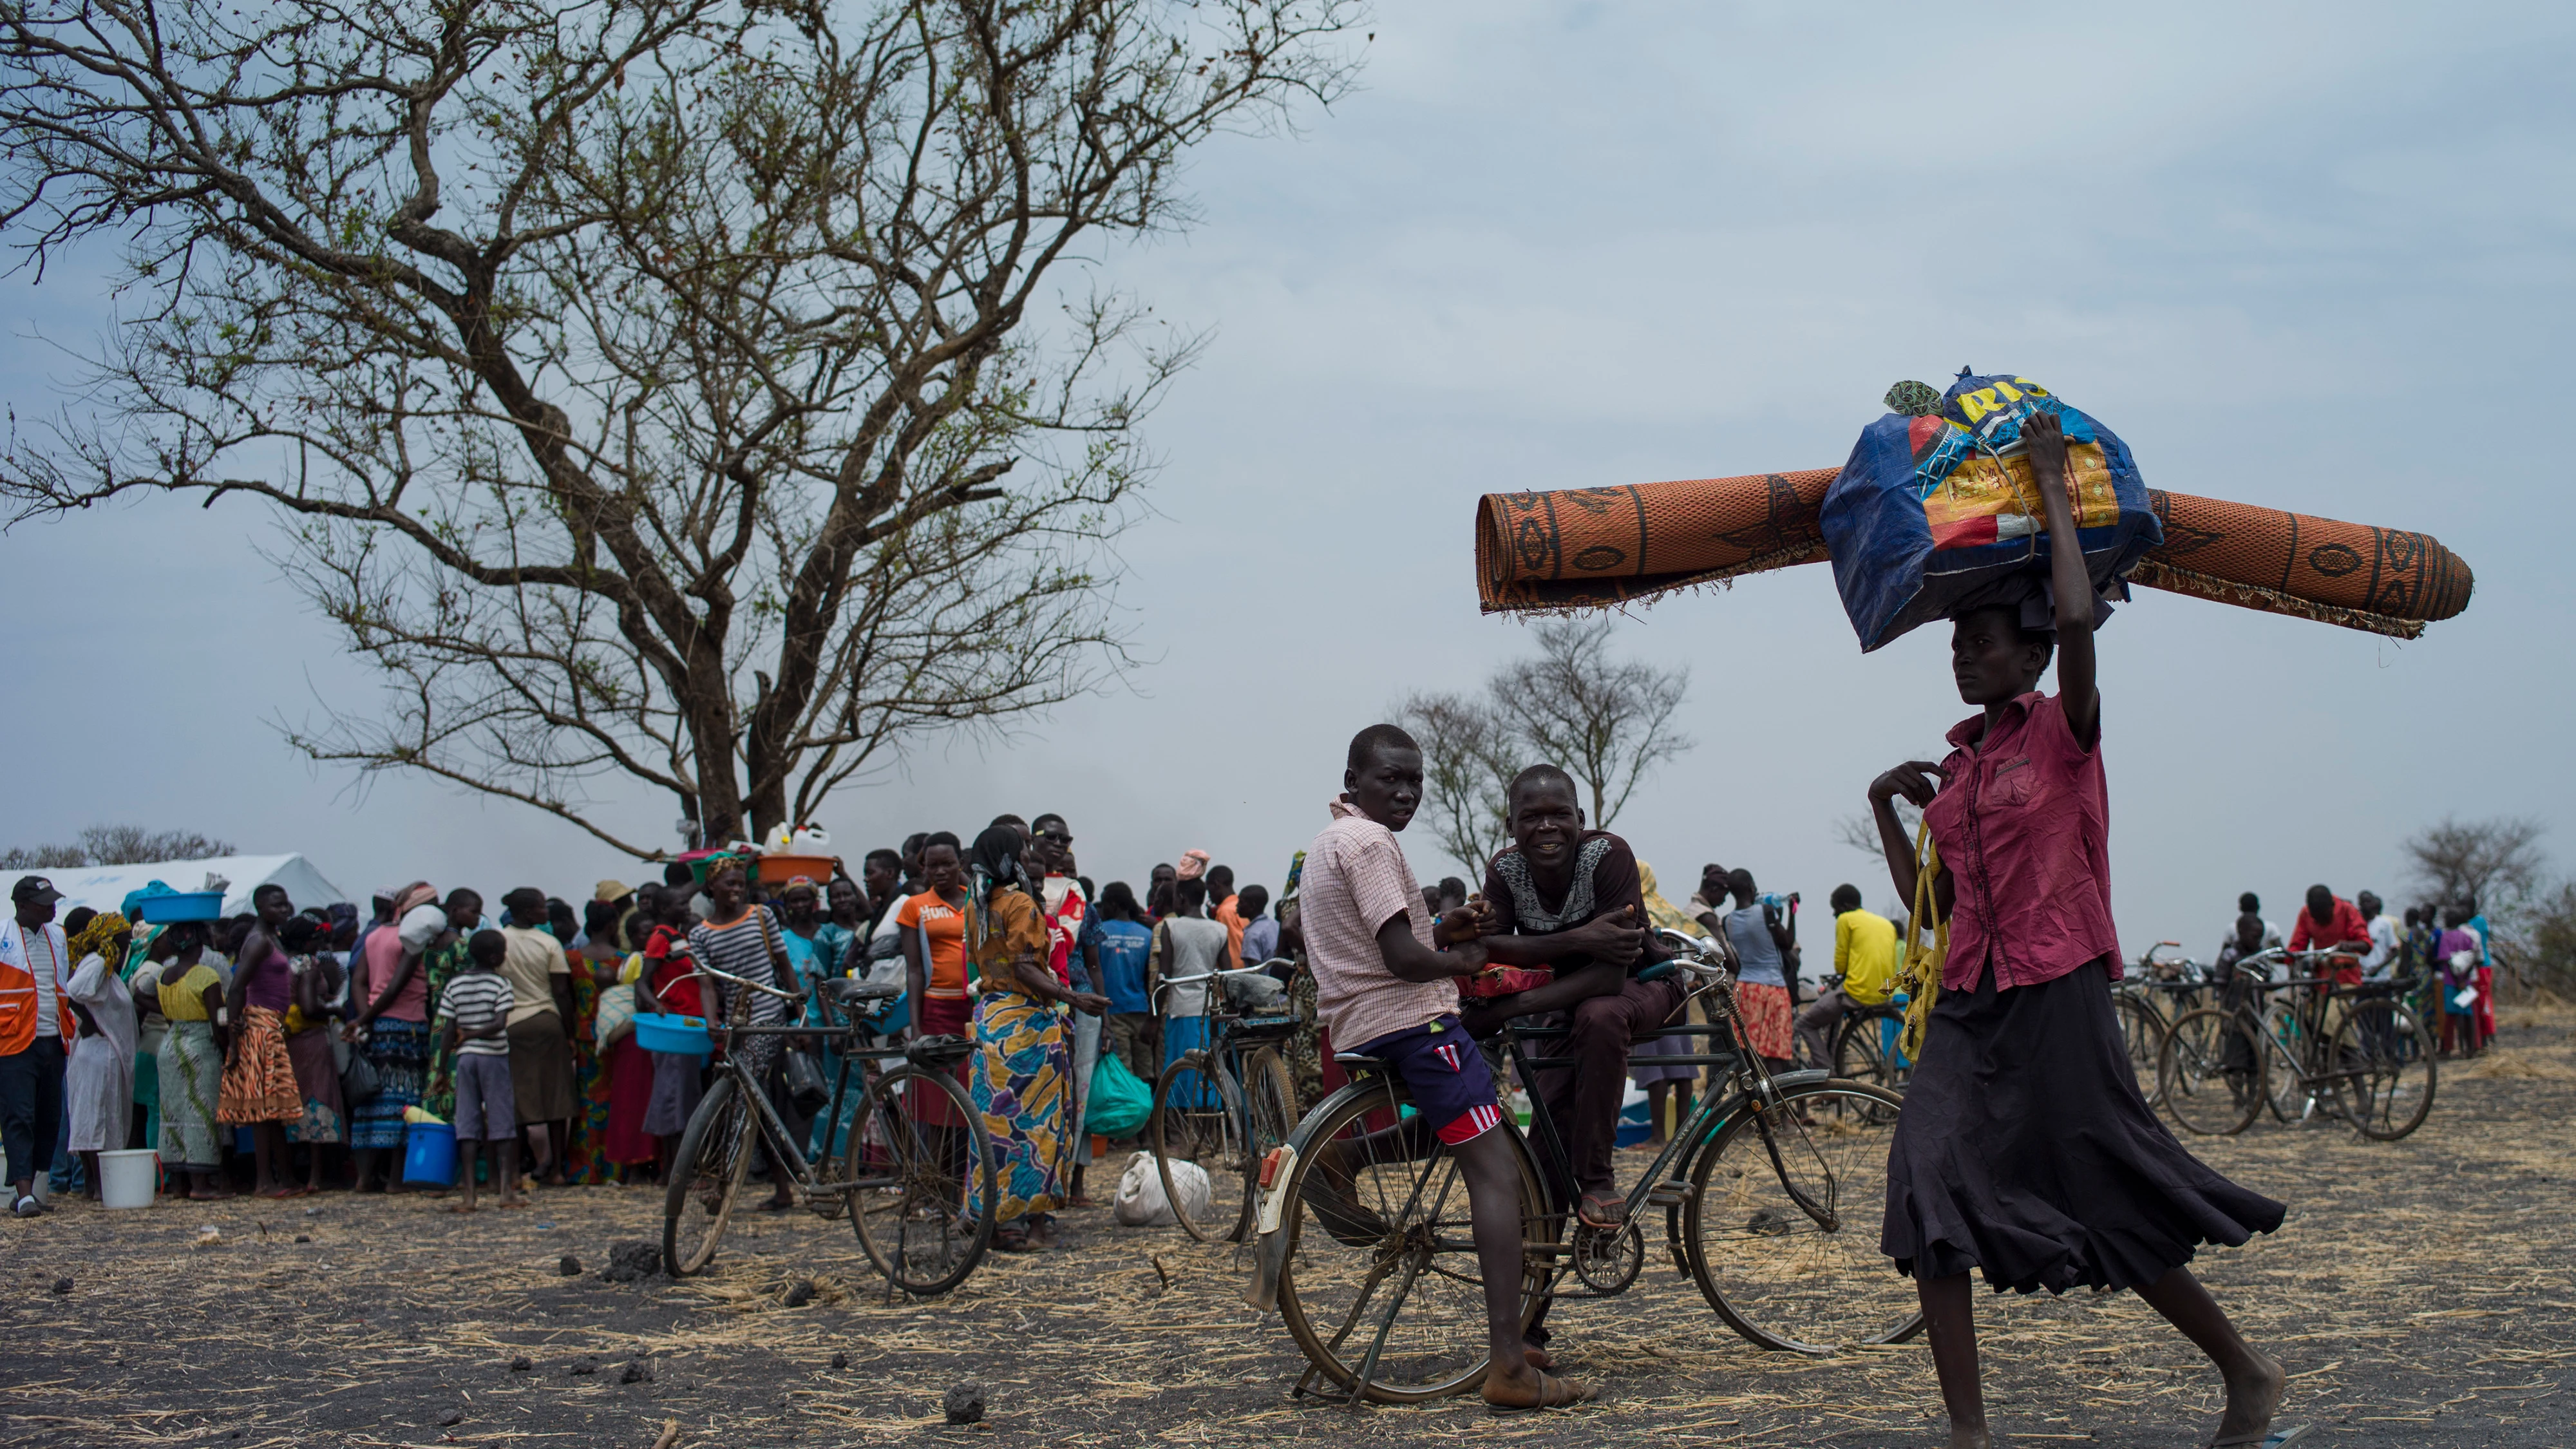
(127,1178)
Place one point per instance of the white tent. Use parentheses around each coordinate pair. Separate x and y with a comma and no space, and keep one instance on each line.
(104,888)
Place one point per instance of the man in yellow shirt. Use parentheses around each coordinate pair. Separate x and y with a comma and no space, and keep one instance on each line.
(1865,956)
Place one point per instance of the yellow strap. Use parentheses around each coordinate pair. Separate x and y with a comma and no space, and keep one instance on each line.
(1921,975)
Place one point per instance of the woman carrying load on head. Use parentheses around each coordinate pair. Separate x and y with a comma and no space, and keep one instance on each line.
(98,1084)
(2025,1149)
(191,1062)
(389,993)
(1021,1076)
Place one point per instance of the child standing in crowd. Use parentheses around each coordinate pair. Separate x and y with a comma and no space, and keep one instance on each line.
(1186,943)
(2457,953)
(476,1007)
(1126,944)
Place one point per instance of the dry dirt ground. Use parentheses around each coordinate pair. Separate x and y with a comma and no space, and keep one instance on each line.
(2422,1293)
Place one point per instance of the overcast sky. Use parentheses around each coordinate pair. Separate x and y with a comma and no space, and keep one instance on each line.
(2316,257)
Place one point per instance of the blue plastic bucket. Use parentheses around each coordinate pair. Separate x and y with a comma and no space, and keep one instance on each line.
(181,906)
(684,1036)
(429,1153)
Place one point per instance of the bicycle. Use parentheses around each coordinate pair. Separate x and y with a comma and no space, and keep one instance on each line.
(2143,1021)
(1222,1106)
(2372,1064)
(1866,1046)
(920,1193)
(1771,1195)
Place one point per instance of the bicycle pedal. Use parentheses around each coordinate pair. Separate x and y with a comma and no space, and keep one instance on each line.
(1668,1194)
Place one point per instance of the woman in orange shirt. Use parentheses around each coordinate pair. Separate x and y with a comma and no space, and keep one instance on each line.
(933,929)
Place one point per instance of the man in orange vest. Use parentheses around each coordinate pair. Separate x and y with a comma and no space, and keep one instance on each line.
(36,1034)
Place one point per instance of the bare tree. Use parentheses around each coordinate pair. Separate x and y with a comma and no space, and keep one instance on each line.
(2498,863)
(1859,830)
(2549,939)
(116,845)
(699,393)
(1605,722)
(1467,760)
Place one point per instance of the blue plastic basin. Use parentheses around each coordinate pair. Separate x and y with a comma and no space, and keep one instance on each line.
(684,1036)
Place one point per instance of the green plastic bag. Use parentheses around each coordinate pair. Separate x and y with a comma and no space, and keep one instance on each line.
(1120,1101)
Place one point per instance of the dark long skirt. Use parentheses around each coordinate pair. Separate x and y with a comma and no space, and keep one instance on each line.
(2026,1151)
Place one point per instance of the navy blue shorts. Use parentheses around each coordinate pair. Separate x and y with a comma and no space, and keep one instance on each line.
(1452,1087)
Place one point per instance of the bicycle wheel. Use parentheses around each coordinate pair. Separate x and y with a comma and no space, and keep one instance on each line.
(2142,1031)
(1198,1123)
(1382,1255)
(1782,1227)
(2383,1070)
(707,1170)
(1270,1104)
(2284,1092)
(924,1195)
(2209,1072)
(1862,1054)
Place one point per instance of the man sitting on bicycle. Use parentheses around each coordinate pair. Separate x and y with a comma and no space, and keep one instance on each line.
(1865,959)
(1568,899)
(1384,987)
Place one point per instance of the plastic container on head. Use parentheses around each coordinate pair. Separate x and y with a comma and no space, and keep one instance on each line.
(181,906)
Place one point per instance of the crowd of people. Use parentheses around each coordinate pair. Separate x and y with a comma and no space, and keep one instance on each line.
(2441,954)
(290,1049)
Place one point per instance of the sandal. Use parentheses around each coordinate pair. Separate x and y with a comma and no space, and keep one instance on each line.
(1553,1393)
(1608,1214)
(2272,1440)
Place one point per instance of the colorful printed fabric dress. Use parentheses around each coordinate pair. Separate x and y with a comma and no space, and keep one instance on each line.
(438,1097)
(1022,1079)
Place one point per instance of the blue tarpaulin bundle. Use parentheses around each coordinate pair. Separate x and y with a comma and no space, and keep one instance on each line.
(1936,513)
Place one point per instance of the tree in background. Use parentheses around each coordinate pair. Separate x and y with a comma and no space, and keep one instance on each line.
(2498,864)
(1468,757)
(1604,721)
(116,845)
(696,393)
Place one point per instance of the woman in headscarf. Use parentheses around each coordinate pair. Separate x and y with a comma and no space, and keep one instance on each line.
(98,1084)
(142,976)
(625,1064)
(1021,1077)
(192,1058)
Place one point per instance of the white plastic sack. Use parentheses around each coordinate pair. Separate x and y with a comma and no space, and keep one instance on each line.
(1141,1203)
(422,925)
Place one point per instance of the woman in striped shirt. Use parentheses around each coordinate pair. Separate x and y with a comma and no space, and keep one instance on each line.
(742,939)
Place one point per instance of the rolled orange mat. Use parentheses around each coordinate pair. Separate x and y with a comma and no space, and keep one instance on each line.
(1594,547)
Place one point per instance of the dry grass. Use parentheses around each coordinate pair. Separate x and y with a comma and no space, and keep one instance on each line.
(2422,1292)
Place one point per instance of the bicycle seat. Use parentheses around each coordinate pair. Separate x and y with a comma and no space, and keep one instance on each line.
(1356,1059)
(847,991)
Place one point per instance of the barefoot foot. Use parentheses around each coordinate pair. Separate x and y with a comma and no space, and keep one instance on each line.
(2253,1396)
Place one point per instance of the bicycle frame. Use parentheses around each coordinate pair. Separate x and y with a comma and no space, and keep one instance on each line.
(1754,1084)
(804,1180)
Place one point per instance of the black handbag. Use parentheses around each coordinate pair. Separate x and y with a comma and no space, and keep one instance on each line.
(358,1080)
(802,1077)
